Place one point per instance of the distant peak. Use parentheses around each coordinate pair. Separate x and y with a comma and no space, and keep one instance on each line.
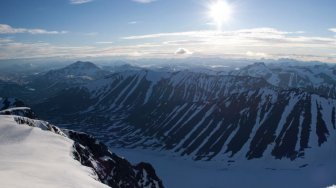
(259,64)
(83,65)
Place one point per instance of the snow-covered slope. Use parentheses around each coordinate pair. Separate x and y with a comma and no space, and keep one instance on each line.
(34,153)
(205,117)
(32,157)
(264,116)
(216,174)
(320,79)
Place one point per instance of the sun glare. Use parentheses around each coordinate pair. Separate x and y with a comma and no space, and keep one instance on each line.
(220,12)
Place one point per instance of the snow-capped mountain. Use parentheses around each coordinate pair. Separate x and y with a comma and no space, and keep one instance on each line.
(39,154)
(319,79)
(240,120)
(77,70)
(206,117)
(45,84)
(71,75)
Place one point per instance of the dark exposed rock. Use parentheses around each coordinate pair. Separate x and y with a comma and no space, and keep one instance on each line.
(110,168)
(6,103)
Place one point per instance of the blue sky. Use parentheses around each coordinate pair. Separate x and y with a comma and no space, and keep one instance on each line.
(301,29)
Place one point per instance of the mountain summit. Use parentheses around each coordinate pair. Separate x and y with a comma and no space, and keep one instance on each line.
(79,69)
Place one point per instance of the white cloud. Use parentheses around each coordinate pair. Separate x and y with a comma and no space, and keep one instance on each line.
(17,50)
(332,30)
(160,35)
(256,54)
(78,2)
(253,43)
(91,34)
(144,1)
(244,37)
(7,29)
(182,51)
(5,40)
(105,42)
(132,22)
(254,32)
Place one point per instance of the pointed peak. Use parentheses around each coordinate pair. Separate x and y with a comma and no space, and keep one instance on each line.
(83,65)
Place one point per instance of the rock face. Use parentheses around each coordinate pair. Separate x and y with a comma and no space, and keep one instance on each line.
(199,115)
(6,103)
(12,106)
(19,111)
(110,169)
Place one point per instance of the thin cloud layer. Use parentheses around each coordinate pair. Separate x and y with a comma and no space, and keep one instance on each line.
(78,2)
(132,22)
(333,30)
(7,29)
(267,42)
(256,43)
(104,42)
(254,32)
(144,1)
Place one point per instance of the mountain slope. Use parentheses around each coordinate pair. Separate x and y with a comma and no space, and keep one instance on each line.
(319,79)
(199,115)
(42,155)
(79,69)
(34,88)
(36,158)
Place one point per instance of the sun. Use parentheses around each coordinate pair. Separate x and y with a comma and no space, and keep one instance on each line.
(220,12)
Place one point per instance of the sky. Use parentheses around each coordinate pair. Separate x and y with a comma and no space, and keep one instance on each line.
(256,29)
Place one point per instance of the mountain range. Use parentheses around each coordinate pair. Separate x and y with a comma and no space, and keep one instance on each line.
(255,111)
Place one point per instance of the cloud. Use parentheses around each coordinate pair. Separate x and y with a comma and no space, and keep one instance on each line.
(105,42)
(182,51)
(258,37)
(19,50)
(90,34)
(10,49)
(252,43)
(332,30)
(5,40)
(144,1)
(254,32)
(78,2)
(132,22)
(160,35)
(7,29)
(256,54)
